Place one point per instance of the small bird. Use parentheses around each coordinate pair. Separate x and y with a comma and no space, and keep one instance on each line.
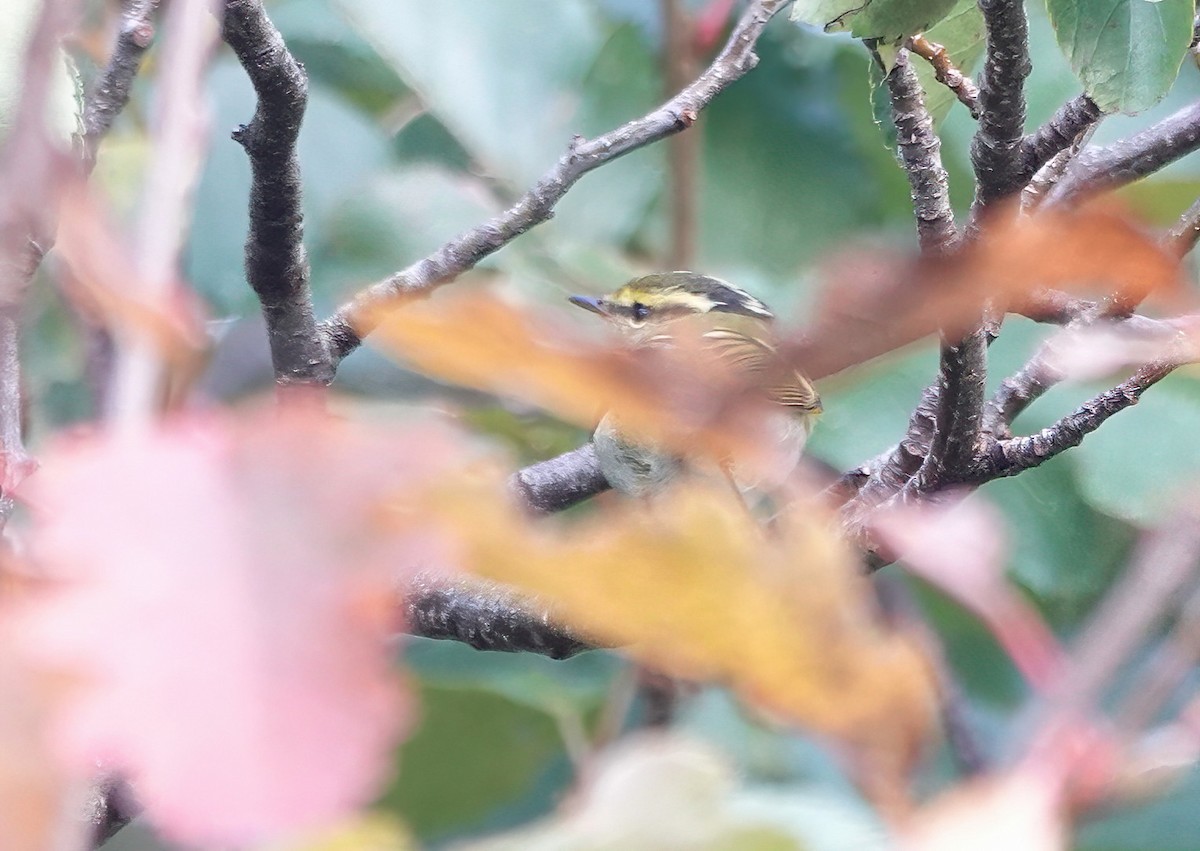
(731,323)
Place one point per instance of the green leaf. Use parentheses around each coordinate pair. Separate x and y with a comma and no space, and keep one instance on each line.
(757,213)
(1168,823)
(672,792)
(1062,550)
(398,218)
(476,761)
(335,56)
(1126,53)
(867,411)
(1135,465)
(514,80)
(888,20)
(214,261)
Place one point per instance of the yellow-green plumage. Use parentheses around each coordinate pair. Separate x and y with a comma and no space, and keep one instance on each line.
(736,327)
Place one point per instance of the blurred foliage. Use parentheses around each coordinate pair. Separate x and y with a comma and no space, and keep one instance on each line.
(425,118)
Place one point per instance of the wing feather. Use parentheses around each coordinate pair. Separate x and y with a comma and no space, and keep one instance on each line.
(752,355)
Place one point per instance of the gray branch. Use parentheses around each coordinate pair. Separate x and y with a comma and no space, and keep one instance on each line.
(345,330)
(276,265)
(1123,162)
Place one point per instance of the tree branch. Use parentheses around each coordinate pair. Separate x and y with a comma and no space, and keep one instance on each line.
(996,152)
(559,483)
(1057,134)
(110,805)
(920,153)
(111,92)
(1181,239)
(485,616)
(995,155)
(1142,154)
(872,483)
(945,72)
(345,330)
(1163,563)
(1017,454)
(276,264)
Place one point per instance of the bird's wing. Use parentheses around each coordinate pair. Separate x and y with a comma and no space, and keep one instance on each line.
(751,355)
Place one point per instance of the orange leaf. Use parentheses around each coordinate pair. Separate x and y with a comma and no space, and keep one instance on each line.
(682,397)
(876,301)
(691,585)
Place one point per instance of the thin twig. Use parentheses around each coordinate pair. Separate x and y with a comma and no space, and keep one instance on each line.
(683,149)
(1168,667)
(276,264)
(946,73)
(33,166)
(1047,177)
(1163,563)
(111,91)
(1142,154)
(345,330)
(177,144)
(1181,239)
(1015,455)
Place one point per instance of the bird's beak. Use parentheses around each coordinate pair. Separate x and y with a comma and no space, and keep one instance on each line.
(588,303)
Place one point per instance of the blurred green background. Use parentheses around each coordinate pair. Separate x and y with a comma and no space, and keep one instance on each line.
(425,118)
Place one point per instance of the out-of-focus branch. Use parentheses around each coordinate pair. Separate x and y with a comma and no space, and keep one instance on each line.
(345,330)
(1167,669)
(1017,454)
(177,145)
(32,170)
(485,616)
(111,91)
(276,265)
(559,483)
(683,149)
(1181,239)
(946,73)
(1164,562)
(1142,154)
(110,805)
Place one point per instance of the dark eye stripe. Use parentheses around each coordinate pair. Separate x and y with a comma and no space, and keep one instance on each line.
(640,311)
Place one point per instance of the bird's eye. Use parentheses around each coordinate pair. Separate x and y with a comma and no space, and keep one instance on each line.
(640,311)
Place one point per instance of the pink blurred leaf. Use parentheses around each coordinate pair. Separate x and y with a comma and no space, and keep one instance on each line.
(959,547)
(1022,809)
(33,790)
(222,587)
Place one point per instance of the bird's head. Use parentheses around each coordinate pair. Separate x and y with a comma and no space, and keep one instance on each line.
(653,300)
